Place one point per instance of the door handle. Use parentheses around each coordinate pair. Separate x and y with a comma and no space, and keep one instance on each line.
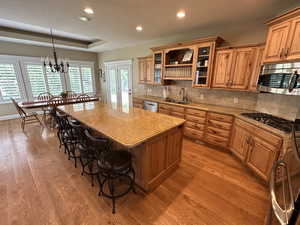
(283,215)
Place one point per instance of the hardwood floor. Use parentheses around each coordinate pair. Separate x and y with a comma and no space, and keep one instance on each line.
(39,186)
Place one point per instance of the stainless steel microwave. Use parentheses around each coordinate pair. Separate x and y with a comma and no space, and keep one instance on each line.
(280,79)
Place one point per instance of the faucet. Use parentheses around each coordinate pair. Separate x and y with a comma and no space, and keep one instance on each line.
(183,95)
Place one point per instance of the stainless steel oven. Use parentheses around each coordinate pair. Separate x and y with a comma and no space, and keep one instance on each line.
(280,78)
(285,185)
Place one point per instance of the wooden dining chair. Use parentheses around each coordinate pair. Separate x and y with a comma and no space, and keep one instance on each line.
(52,104)
(45,96)
(83,98)
(26,117)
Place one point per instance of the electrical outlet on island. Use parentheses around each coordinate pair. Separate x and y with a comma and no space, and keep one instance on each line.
(201,96)
(235,100)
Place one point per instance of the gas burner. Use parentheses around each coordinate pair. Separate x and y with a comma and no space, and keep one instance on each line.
(273,121)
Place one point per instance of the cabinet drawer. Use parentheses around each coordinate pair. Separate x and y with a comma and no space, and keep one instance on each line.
(164,111)
(216,140)
(218,132)
(164,107)
(195,119)
(195,112)
(220,117)
(193,125)
(219,124)
(189,132)
(138,101)
(176,108)
(138,105)
(177,114)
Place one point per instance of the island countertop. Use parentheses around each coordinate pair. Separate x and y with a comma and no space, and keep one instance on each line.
(127,126)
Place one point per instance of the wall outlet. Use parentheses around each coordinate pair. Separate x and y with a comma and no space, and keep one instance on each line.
(235,100)
(201,96)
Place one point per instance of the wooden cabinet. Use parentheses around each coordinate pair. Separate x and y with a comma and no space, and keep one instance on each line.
(283,41)
(138,103)
(257,147)
(194,126)
(221,75)
(241,68)
(236,67)
(171,110)
(261,157)
(190,60)
(276,42)
(146,74)
(158,64)
(256,68)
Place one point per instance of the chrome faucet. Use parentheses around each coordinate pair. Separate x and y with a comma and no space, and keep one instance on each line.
(182,94)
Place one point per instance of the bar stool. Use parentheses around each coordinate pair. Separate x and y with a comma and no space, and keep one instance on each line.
(114,165)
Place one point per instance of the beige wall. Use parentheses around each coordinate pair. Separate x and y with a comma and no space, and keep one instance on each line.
(248,33)
(8,48)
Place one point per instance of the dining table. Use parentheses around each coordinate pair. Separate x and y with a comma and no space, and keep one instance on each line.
(45,103)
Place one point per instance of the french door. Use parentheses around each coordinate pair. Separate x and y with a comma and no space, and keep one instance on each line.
(119,83)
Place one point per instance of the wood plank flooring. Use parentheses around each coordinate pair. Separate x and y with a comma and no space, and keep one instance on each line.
(39,186)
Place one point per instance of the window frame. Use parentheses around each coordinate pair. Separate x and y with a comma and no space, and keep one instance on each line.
(22,88)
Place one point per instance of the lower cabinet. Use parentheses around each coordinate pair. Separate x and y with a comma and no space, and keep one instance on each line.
(138,103)
(256,147)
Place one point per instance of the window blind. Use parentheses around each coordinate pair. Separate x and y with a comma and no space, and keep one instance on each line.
(54,82)
(36,79)
(75,79)
(87,79)
(9,87)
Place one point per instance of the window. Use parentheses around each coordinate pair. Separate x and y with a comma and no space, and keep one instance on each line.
(81,79)
(9,86)
(24,78)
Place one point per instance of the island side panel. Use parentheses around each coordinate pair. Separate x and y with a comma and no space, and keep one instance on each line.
(156,159)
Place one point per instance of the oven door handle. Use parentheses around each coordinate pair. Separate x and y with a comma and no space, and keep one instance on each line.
(293,82)
(283,215)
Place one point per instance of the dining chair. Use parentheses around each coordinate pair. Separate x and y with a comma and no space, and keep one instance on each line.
(83,98)
(26,117)
(52,105)
(45,96)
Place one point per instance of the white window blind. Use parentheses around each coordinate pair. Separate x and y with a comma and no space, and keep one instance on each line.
(9,86)
(54,82)
(81,79)
(87,79)
(36,79)
(75,79)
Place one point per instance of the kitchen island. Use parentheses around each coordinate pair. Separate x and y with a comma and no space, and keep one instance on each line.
(154,139)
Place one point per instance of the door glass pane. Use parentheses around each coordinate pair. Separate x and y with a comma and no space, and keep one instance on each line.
(124,75)
(36,79)
(75,82)
(113,86)
(54,82)
(8,82)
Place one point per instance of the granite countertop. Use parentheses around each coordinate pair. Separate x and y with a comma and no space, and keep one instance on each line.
(221,109)
(127,126)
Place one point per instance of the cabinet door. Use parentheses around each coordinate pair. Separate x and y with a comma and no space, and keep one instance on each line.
(240,142)
(276,42)
(142,71)
(149,70)
(222,69)
(241,68)
(293,47)
(261,157)
(256,68)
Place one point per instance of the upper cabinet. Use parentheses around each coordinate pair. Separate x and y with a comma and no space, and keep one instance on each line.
(237,68)
(283,41)
(191,60)
(158,67)
(145,65)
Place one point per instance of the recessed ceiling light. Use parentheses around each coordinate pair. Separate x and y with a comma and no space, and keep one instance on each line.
(139,28)
(84,18)
(89,10)
(180,14)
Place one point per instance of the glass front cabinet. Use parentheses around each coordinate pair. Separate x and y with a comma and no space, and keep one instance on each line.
(202,68)
(158,67)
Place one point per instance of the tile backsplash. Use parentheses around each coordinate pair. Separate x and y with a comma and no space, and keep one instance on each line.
(284,106)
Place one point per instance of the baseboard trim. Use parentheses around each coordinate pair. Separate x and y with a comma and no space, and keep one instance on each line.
(15,116)
(9,117)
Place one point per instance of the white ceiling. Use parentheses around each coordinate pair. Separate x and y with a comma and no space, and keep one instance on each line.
(114,21)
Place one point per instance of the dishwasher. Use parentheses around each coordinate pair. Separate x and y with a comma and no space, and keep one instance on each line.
(151,106)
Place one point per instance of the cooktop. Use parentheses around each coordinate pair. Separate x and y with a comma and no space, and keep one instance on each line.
(273,121)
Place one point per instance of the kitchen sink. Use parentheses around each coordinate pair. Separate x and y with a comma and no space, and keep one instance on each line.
(176,101)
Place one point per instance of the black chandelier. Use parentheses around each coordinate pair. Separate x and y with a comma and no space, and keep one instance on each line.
(59,65)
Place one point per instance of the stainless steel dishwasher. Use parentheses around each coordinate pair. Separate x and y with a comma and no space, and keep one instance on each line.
(151,106)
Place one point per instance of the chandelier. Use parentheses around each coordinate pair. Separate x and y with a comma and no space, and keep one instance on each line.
(56,65)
